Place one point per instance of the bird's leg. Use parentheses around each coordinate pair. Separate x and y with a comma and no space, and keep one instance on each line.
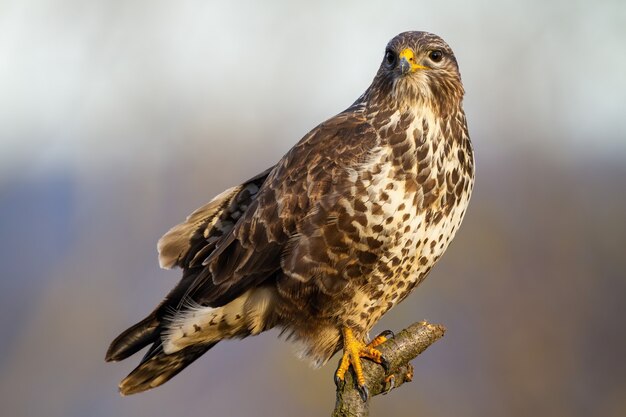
(353,351)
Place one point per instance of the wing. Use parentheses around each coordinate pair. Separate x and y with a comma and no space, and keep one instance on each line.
(183,244)
(325,249)
(239,239)
(179,247)
(297,197)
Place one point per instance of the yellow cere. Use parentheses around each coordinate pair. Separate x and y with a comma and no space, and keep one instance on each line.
(409,55)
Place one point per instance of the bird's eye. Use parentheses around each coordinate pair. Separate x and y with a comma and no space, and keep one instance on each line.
(436,55)
(390,59)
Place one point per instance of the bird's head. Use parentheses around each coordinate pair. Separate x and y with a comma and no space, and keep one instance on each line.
(419,68)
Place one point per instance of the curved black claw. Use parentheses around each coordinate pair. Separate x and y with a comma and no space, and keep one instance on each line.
(363,392)
(391,380)
(388,334)
(384,363)
(339,383)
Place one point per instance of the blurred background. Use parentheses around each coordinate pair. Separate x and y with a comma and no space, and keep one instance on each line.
(118,118)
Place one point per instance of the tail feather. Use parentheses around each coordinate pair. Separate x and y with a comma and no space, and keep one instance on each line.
(156,368)
(134,339)
(186,245)
(148,330)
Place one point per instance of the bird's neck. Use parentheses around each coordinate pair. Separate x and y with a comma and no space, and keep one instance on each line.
(414,96)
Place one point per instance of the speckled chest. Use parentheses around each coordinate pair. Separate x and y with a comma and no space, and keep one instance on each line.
(415,193)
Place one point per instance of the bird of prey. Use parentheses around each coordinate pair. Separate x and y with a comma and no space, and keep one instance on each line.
(325,242)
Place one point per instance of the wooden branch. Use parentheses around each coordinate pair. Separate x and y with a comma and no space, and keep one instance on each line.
(398,351)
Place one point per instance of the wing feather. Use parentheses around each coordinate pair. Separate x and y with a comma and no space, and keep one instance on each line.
(305,184)
(189,243)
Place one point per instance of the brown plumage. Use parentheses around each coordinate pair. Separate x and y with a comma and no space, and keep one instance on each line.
(347,223)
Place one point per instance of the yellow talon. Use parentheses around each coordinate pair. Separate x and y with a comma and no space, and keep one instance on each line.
(378,340)
(353,351)
(408,377)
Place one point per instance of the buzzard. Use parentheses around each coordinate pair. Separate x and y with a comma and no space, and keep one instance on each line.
(325,242)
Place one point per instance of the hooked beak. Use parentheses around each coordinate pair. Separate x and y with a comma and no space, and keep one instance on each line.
(408,63)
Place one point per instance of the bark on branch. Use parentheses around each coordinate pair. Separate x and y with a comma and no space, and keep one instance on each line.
(398,351)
